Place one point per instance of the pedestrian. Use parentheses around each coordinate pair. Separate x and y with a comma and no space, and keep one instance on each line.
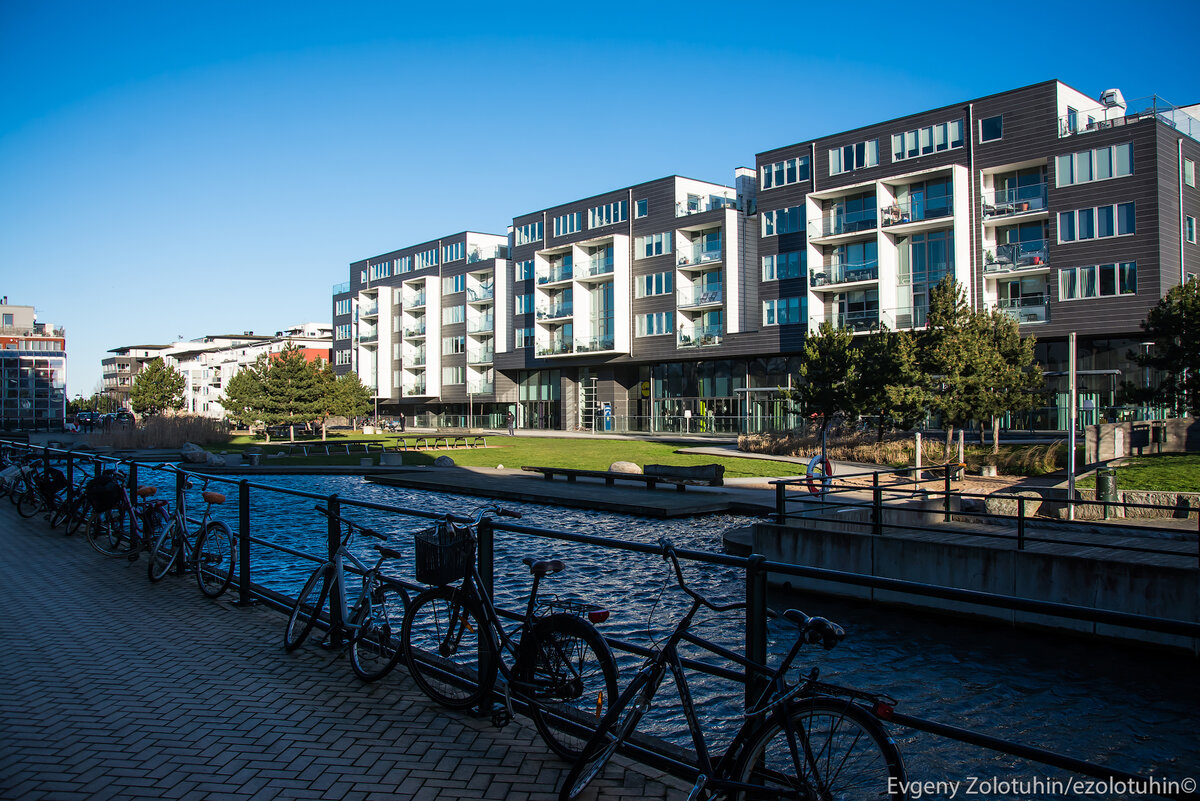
(401,422)
(511,422)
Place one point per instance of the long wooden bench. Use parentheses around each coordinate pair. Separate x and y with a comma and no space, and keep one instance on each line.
(609,476)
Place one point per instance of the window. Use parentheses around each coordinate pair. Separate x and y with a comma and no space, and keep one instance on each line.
(1098,223)
(525,270)
(454,283)
(649,325)
(782,221)
(853,157)
(1189,228)
(1096,281)
(991,128)
(645,286)
(1189,172)
(427,258)
(342,357)
(342,307)
(530,232)
(932,139)
(784,311)
(454,375)
(641,208)
(608,214)
(342,331)
(452,345)
(782,173)
(783,266)
(452,252)
(1072,120)
(8,319)
(404,264)
(381,270)
(454,314)
(568,223)
(524,303)
(1099,164)
(524,337)
(653,245)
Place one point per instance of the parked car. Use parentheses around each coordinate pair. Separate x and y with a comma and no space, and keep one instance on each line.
(123,418)
(85,419)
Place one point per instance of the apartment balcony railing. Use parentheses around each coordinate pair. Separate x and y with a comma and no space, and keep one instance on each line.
(480,387)
(480,324)
(480,293)
(480,356)
(369,309)
(856,320)
(342,288)
(699,297)
(368,339)
(484,253)
(700,254)
(700,336)
(596,267)
(36,331)
(1015,200)
(1017,256)
(1135,111)
(843,223)
(414,331)
(555,274)
(917,210)
(414,361)
(912,317)
(415,300)
(554,348)
(414,389)
(555,312)
(698,205)
(845,273)
(594,344)
(1026,309)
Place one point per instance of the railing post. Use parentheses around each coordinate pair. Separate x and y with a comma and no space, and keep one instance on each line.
(334,541)
(780,503)
(946,492)
(876,505)
(244,596)
(133,486)
(756,625)
(70,476)
(486,562)
(1021,523)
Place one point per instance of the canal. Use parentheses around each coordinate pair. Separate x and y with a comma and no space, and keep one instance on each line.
(1131,708)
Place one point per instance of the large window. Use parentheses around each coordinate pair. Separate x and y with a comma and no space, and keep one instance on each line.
(524,337)
(454,375)
(641,207)
(1096,281)
(653,245)
(381,270)
(1098,164)
(782,173)
(452,252)
(342,331)
(931,139)
(342,357)
(649,325)
(782,221)
(608,214)
(454,283)
(854,157)
(991,128)
(784,311)
(342,307)
(784,266)
(427,258)
(645,286)
(1189,172)
(1098,223)
(568,223)
(404,264)
(524,303)
(524,270)
(452,345)
(530,232)
(454,314)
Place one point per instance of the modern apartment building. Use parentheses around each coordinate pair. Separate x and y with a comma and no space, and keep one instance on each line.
(33,371)
(683,305)
(118,370)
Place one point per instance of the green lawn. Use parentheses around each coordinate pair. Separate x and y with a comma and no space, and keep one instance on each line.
(518,451)
(1169,472)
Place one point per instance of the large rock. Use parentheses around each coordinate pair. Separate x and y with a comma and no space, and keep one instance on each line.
(215,460)
(1008,505)
(193,453)
(624,467)
(443,461)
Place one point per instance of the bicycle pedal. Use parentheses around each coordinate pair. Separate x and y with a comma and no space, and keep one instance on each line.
(501,717)
(697,792)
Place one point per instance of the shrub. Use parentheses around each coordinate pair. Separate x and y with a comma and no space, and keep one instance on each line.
(165,431)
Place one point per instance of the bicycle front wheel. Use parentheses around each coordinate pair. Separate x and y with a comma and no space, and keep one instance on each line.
(81,511)
(827,748)
(216,559)
(30,502)
(376,649)
(615,728)
(108,532)
(449,651)
(164,552)
(309,605)
(568,673)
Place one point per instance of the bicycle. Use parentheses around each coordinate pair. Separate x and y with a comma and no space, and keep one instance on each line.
(45,490)
(75,509)
(369,625)
(808,740)
(117,526)
(453,640)
(213,554)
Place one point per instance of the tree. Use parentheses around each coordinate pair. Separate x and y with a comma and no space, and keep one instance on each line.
(887,371)
(292,390)
(245,394)
(353,397)
(327,392)
(829,375)
(156,388)
(1174,325)
(1016,377)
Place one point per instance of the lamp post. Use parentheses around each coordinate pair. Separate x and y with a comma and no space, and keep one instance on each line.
(1146,379)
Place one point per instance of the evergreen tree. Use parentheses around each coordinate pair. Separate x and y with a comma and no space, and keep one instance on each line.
(327,392)
(353,397)
(292,390)
(1174,325)
(245,394)
(829,375)
(157,388)
(1016,378)
(955,360)
(883,370)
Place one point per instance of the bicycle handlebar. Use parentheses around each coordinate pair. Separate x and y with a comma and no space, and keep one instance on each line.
(351,525)
(484,510)
(669,553)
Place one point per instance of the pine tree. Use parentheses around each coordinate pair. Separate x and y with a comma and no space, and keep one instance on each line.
(156,388)
(292,390)
(1174,325)
(353,397)
(1016,377)
(245,394)
(829,375)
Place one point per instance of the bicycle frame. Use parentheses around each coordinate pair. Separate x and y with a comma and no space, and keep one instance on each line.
(370,577)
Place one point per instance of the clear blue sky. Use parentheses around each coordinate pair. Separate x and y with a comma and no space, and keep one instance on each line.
(175,169)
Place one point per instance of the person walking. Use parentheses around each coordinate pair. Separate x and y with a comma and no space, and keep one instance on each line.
(511,422)
(401,422)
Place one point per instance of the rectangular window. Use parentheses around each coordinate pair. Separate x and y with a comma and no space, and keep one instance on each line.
(454,375)
(1087,224)
(454,283)
(1066,226)
(1190,229)
(854,157)
(568,223)
(427,258)
(342,357)
(652,245)
(784,311)
(1099,164)
(930,139)
(342,331)
(782,221)
(524,337)
(524,270)
(991,128)
(524,303)
(784,266)
(343,307)
(641,208)
(1189,172)
(782,173)
(381,270)
(1097,223)
(452,345)
(1125,219)
(608,214)
(649,325)
(454,314)
(645,286)
(1105,222)
(1095,281)
(452,252)
(404,264)
(530,232)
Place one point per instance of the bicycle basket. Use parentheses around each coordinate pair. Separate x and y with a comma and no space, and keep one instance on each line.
(51,482)
(443,553)
(104,491)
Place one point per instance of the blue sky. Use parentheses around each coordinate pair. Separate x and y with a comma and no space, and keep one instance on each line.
(184,168)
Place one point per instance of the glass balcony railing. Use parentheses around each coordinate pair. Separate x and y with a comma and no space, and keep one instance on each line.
(556,311)
(700,336)
(601,266)
(554,348)
(699,296)
(917,210)
(697,204)
(414,361)
(594,344)
(1016,200)
(1017,256)
(369,309)
(414,389)
(856,321)
(415,300)
(480,356)
(367,337)
(700,254)
(483,253)
(913,317)
(342,288)
(845,273)
(414,331)
(555,274)
(1026,309)
(843,223)
(478,324)
(480,293)
(480,387)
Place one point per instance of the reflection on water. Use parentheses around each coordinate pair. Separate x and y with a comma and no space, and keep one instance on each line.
(1112,704)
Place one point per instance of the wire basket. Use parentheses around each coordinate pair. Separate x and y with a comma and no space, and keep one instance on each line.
(444,553)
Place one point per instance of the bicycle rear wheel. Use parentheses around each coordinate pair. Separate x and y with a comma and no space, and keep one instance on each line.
(216,559)
(829,748)
(616,726)
(567,671)
(448,648)
(376,649)
(308,607)
(108,532)
(30,502)
(164,552)
(81,511)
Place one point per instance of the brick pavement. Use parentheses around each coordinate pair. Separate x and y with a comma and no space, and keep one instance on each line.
(115,688)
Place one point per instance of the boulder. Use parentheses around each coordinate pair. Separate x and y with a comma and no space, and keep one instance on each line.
(624,467)
(193,453)
(216,460)
(1008,505)
(443,461)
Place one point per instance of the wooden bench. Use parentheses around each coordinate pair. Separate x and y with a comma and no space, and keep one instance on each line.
(609,477)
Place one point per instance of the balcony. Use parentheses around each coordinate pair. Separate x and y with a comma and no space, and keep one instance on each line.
(601,266)
(368,337)
(414,389)
(478,253)
(1135,111)
(369,309)
(1026,309)
(478,325)
(414,331)
(1017,200)
(342,288)
(480,387)
(856,321)
(557,273)
(909,318)
(480,355)
(480,294)
(1017,256)
(556,311)
(555,348)
(700,336)
(698,205)
(912,211)
(594,344)
(414,361)
(708,253)
(699,296)
(843,223)
(414,300)
(845,273)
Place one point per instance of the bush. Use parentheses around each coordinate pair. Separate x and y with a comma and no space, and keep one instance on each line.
(165,431)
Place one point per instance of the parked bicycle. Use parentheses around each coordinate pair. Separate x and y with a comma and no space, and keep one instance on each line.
(72,513)
(554,660)
(211,553)
(804,740)
(46,489)
(118,526)
(370,625)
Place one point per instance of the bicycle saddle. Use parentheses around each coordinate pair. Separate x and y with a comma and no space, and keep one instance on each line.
(146,492)
(213,497)
(816,629)
(388,552)
(544,566)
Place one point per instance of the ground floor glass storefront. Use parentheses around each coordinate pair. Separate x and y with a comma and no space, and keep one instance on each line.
(34,392)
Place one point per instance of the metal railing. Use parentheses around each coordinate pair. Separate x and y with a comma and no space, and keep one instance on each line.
(1027,309)
(856,320)
(917,210)
(700,336)
(1149,108)
(1014,200)
(756,570)
(843,223)
(1017,256)
(845,273)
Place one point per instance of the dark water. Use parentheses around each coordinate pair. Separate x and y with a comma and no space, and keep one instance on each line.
(1133,709)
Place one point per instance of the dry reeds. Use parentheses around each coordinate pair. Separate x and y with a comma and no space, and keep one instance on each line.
(164,431)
